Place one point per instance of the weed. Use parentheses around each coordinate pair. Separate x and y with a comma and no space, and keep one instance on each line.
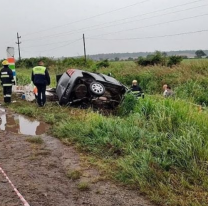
(128,104)
(50,118)
(83,186)
(29,111)
(35,140)
(74,174)
(157,145)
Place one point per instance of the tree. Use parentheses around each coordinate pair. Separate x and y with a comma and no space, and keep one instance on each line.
(164,54)
(158,59)
(174,60)
(130,59)
(103,63)
(200,53)
(116,59)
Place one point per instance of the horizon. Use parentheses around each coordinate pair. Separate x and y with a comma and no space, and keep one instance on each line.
(178,51)
(109,26)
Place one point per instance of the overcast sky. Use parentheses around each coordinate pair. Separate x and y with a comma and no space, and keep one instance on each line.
(55,27)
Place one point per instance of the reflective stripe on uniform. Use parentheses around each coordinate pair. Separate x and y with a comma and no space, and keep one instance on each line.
(7,85)
(39,70)
(4,72)
(5,76)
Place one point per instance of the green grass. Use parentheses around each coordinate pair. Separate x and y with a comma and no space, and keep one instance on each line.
(73,174)
(35,140)
(157,145)
(187,79)
(190,75)
(161,147)
(83,186)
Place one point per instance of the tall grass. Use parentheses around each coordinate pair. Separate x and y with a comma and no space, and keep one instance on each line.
(162,143)
(157,145)
(189,79)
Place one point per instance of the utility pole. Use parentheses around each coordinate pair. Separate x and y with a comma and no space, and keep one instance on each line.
(18,42)
(84,49)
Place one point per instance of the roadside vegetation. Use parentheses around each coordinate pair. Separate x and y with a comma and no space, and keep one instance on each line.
(35,140)
(156,145)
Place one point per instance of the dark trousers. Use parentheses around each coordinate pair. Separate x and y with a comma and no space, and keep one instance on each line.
(7,91)
(41,94)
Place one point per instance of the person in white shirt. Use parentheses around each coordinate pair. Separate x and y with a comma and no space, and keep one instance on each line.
(167,91)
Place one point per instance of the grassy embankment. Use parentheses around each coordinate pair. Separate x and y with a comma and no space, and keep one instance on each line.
(161,147)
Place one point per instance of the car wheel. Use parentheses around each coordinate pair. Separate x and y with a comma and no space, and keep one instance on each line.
(97,88)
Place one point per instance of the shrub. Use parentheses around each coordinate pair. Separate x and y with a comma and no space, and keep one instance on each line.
(50,62)
(159,59)
(78,62)
(153,59)
(104,63)
(31,62)
(174,60)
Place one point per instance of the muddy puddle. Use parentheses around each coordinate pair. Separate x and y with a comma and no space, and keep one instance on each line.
(18,124)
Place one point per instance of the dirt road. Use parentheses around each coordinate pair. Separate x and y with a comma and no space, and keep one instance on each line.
(39,173)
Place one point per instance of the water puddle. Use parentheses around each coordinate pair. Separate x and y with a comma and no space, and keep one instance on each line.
(18,124)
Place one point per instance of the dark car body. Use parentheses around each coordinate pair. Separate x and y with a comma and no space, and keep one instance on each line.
(78,87)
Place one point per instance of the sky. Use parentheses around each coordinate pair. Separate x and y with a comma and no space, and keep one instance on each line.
(55,28)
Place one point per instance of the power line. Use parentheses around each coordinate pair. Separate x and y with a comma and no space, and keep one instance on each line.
(125,22)
(47,44)
(156,11)
(55,47)
(136,38)
(151,25)
(75,31)
(90,17)
(63,45)
(151,17)
(153,37)
(98,25)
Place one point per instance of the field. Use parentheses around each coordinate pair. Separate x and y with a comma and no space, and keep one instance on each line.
(156,145)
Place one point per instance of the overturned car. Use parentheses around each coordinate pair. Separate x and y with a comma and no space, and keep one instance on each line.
(86,89)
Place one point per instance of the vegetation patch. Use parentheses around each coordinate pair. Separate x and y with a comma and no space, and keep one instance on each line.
(35,140)
(157,145)
(83,186)
(73,174)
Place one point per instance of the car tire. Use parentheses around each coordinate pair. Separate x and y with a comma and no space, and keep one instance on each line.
(97,89)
